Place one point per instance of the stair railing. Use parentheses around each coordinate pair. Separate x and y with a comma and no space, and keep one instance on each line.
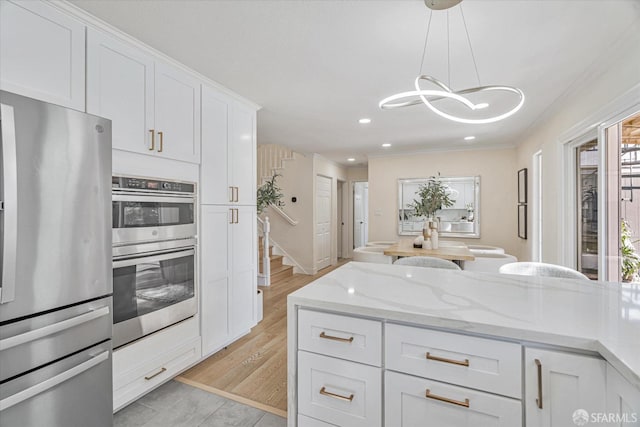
(264,276)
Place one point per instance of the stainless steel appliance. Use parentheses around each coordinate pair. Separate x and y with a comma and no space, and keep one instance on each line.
(55,294)
(147,209)
(153,287)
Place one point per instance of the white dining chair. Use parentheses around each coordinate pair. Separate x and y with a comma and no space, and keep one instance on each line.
(541,269)
(427,261)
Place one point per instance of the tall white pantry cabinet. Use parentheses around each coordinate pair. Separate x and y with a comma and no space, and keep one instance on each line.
(228,219)
(168,122)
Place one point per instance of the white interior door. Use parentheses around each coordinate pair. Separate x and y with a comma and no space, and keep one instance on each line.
(323,222)
(360,214)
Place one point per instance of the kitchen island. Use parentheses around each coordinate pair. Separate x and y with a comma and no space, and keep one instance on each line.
(459,348)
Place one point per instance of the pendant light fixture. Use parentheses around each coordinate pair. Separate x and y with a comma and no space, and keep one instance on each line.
(440,91)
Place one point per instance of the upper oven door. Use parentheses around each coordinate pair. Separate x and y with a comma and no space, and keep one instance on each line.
(140,217)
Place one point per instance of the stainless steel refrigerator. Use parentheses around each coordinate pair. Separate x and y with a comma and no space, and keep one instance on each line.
(55,266)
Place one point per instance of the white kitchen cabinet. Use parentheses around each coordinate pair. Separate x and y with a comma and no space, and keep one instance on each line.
(177,113)
(154,107)
(623,400)
(120,81)
(144,364)
(339,392)
(42,53)
(557,384)
(418,402)
(228,170)
(228,254)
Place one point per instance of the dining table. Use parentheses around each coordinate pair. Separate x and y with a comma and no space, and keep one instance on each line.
(452,251)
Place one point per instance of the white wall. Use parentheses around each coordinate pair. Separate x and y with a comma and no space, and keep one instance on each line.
(613,75)
(498,191)
(296,181)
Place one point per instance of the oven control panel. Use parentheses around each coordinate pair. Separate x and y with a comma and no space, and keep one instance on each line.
(149,184)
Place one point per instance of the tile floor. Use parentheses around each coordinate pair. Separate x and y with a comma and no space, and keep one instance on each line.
(176,404)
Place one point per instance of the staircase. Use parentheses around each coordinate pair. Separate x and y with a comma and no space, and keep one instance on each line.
(279,271)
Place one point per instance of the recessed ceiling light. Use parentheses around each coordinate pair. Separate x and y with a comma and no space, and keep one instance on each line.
(364,121)
(481,106)
(386,145)
(469,138)
(351,159)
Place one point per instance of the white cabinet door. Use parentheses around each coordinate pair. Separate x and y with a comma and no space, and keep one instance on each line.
(623,400)
(177,114)
(242,149)
(120,87)
(216,277)
(214,185)
(243,269)
(418,402)
(558,384)
(42,53)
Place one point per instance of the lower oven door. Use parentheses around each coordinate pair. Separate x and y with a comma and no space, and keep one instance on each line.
(152,291)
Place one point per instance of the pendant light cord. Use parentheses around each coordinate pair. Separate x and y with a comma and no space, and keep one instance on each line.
(470,47)
(448,53)
(424,49)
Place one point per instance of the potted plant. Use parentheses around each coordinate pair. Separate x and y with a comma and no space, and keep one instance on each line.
(630,258)
(433,196)
(268,194)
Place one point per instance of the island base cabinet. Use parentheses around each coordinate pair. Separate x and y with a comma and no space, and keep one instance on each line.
(304,421)
(417,402)
(623,400)
(562,388)
(339,392)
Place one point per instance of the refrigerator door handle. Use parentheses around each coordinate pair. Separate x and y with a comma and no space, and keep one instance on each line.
(54,328)
(9,203)
(52,382)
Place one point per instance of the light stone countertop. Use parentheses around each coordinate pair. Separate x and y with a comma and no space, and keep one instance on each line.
(593,316)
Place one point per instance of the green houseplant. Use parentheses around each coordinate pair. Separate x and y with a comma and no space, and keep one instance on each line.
(433,195)
(268,193)
(630,258)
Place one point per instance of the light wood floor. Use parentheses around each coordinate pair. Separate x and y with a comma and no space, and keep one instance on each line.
(253,370)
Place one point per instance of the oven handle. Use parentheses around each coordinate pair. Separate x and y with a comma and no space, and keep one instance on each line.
(152,258)
(146,198)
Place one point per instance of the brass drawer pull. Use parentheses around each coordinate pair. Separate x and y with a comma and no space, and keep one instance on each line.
(153,140)
(331,337)
(156,374)
(324,392)
(464,362)
(539,399)
(430,395)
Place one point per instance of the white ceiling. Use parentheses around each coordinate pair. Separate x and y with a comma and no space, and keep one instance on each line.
(316,67)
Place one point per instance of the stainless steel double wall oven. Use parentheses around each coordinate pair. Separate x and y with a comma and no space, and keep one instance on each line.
(154,247)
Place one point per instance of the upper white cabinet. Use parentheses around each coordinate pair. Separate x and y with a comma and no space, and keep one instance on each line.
(177,113)
(42,53)
(155,108)
(120,87)
(557,384)
(228,172)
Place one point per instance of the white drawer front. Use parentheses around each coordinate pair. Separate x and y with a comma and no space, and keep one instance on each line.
(144,377)
(407,405)
(304,421)
(339,392)
(480,363)
(345,337)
